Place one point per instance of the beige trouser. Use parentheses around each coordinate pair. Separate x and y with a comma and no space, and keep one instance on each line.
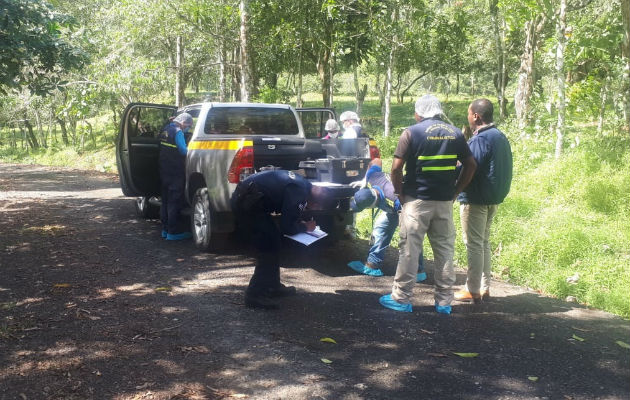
(476,220)
(435,218)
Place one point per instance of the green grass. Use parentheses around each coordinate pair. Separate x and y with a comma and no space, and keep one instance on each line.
(561,217)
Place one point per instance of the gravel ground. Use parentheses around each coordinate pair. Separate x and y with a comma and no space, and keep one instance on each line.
(95,305)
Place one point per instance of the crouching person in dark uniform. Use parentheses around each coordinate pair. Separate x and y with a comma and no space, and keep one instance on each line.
(252,203)
(173,151)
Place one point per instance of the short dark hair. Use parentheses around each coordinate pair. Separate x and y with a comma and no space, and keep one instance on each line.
(484,108)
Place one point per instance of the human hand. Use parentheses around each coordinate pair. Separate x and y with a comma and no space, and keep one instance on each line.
(397,205)
(310,225)
(357,184)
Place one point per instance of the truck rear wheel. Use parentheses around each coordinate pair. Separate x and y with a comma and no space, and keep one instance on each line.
(202,220)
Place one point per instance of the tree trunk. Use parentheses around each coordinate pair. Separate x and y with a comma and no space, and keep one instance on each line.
(388,93)
(324,75)
(526,73)
(299,102)
(501,76)
(32,139)
(602,106)
(332,79)
(625,14)
(245,73)
(359,92)
(561,27)
(64,131)
(179,73)
(40,129)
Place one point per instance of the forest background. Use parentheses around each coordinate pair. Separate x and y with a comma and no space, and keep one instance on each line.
(558,72)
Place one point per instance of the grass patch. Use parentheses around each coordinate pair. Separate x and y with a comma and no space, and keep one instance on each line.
(562,217)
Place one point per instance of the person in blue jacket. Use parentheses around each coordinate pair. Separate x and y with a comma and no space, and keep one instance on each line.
(378,192)
(173,150)
(253,201)
(479,201)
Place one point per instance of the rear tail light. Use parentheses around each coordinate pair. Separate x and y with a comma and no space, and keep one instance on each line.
(374,151)
(242,165)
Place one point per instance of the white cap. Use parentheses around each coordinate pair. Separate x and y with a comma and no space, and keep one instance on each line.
(184,119)
(428,106)
(348,115)
(331,125)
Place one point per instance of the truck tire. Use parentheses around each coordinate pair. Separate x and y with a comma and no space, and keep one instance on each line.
(201,222)
(146,210)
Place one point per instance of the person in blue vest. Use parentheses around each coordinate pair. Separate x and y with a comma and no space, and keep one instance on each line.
(352,127)
(481,198)
(428,152)
(377,191)
(253,201)
(173,150)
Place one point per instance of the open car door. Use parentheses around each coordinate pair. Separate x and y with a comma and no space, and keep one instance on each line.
(314,120)
(138,147)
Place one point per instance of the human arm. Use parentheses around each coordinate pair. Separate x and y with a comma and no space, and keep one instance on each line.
(180,141)
(293,202)
(397,176)
(400,154)
(469,165)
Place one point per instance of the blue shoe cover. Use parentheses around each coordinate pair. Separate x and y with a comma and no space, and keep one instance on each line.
(362,269)
(179,236)
(442,309)
(164,234)
(388,302)
(421,277)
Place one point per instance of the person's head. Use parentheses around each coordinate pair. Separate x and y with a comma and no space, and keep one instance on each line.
(348,118)
(320,198)
(427,106)
(184,120)
(364,198)
(332,128)
(480,112)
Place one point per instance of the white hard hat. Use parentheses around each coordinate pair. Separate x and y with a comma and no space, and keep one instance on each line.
(184,119)
(348,115)
(331,125)
(428,106)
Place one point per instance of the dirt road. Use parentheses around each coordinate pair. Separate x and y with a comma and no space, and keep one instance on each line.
(95,305)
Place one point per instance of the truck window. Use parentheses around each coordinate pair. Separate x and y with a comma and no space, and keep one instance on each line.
(147,122)
(250,121)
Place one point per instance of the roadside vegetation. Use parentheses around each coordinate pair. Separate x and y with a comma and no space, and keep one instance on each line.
(563,230)
(558,73)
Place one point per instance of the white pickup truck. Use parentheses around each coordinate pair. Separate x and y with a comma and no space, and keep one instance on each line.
(229,142)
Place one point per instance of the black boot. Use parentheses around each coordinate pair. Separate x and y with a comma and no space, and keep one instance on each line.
(281,291)
(260,301)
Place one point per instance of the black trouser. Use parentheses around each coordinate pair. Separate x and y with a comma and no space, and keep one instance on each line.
(259,227)
(173,202)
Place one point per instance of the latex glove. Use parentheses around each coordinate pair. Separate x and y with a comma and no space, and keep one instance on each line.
(358,184)
(397,205)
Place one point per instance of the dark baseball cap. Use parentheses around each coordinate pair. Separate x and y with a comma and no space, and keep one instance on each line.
(364,198)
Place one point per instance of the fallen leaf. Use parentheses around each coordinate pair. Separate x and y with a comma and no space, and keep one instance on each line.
(580,329)
(163,289)
(466,355)
(623,344)
(427,332)
(239,396)
(576,337)
(533,378)
(437,355)
(326,361)
(327,340)
(62,285)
